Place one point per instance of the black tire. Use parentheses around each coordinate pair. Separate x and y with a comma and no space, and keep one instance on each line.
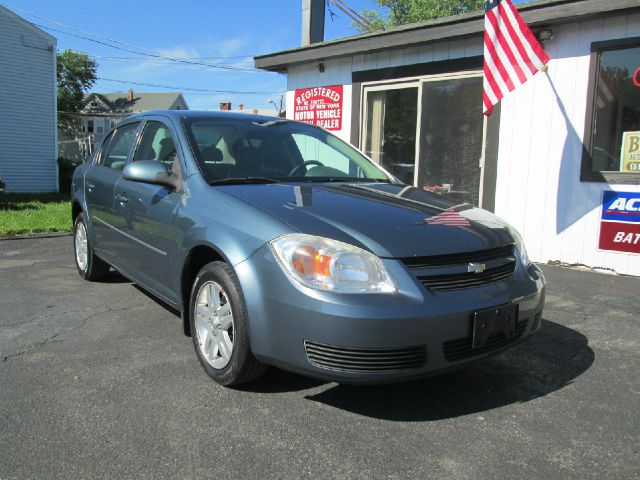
(242,367)
(94,268)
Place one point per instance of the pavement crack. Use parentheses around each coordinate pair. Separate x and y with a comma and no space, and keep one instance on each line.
(82,324)
(31,346)
(108,310)
(41,317)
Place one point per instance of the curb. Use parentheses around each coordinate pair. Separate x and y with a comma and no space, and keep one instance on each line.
(37,235)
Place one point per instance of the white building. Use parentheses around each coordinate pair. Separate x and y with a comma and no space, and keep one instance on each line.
(411,98)
(28,125)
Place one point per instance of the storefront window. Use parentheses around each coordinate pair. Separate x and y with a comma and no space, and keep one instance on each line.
(613,134)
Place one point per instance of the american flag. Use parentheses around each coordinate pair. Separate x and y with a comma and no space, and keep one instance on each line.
(512,54)
(450,218)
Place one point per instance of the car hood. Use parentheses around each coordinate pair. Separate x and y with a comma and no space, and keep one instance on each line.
(392,221)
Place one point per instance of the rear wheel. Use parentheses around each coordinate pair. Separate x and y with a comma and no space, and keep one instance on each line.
(90,267)
(219,327)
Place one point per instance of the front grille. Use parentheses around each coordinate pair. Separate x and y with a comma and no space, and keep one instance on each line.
(363,360)
(458,281)
(462,348)
(459,258)
(500,265)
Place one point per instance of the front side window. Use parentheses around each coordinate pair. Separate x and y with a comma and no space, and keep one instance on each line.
(156,144)
(613,130)
(119,147)
(234,148)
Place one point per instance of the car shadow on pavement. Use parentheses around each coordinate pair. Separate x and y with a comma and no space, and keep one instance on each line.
(541,365)
(114,277)
(280,381)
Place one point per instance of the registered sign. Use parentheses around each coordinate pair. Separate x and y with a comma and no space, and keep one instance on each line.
(320,106)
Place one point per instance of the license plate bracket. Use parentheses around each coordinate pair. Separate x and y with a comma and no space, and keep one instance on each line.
(494,320)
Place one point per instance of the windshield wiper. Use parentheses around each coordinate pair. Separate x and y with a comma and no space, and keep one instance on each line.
(270,123)
(243,181)
(343,179)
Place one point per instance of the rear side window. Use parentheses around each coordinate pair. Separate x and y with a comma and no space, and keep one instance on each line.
(119,147)
(103,149)
(156,144)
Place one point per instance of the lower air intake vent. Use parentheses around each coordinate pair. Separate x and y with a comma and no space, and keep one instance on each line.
(365,360)
(537,321)
(461,348)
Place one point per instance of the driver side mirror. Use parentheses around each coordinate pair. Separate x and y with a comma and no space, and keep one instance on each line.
(151,171)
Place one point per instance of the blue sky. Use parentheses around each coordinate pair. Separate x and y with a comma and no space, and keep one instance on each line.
(215,31)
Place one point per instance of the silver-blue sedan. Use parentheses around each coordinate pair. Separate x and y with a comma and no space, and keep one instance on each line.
(282,245)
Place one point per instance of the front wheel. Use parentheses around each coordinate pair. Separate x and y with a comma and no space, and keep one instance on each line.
(90,267)
(219,327)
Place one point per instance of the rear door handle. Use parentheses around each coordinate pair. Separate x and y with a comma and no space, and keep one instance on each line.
(90,186)
(122,198)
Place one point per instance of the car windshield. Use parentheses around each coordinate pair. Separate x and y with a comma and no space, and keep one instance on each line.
(262,150)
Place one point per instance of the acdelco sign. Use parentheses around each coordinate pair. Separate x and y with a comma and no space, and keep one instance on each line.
(620,222)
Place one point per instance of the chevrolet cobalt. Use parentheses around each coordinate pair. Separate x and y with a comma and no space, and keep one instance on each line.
(282,245)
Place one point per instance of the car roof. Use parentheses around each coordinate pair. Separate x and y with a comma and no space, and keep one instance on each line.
(179,114)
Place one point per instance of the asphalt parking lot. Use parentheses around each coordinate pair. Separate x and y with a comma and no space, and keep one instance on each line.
(97,381)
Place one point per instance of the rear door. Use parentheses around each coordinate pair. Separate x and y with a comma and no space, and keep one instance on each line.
(147,213)
(100,183)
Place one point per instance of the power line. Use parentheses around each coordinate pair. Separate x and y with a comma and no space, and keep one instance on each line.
(203,90)
(111,40)
(248,57)
(355,16)
(106,41)
(153,55)
(245,59)
(157,63)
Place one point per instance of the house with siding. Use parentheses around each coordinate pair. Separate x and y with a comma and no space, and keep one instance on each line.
(28,125)
(102,111)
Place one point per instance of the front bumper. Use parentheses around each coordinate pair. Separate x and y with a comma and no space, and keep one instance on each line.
(377,338)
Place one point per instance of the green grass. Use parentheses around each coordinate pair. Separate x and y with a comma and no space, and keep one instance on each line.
(22,213)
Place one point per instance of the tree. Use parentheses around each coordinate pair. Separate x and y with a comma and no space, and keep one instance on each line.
(76,74)
(401,12)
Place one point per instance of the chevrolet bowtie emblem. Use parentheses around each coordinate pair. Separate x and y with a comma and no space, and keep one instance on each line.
(476,267)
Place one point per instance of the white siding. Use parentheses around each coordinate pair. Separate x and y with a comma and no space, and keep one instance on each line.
(541,132)
(27,108)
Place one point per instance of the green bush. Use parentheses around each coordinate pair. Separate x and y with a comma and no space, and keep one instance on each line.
(65,171)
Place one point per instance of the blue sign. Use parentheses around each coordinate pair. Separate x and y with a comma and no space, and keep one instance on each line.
(621,206)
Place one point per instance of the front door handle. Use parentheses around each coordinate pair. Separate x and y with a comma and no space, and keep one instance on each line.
(122,198)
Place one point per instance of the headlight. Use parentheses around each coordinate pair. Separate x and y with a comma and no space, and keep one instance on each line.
(326,264)
(517,239)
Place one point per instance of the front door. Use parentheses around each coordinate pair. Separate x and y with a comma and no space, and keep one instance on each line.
(100,181)
(147,214)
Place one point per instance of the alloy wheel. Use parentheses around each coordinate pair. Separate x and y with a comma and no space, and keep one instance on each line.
(214,324)
(81,246)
